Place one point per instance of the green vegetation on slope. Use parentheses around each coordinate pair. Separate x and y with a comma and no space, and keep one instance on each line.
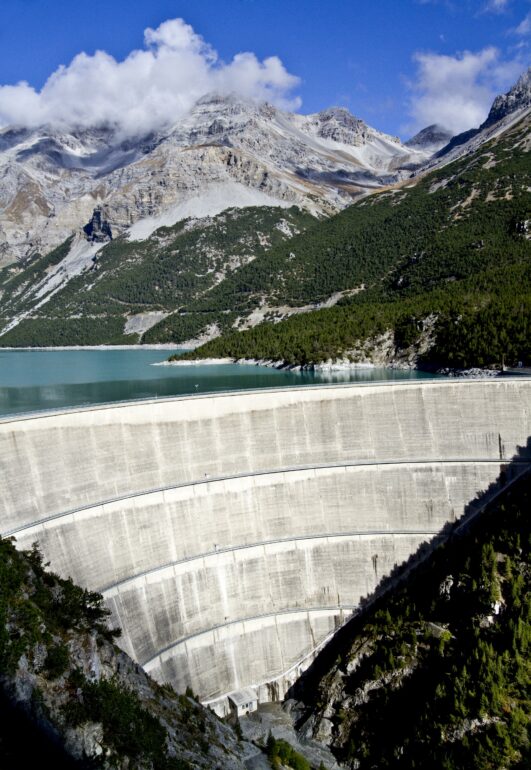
(14,282)
(173,267)
(481,321)
(183,326)
(454,222)
(455,245)
(59,666)
(24,604)
(437,673)
(39,332)
(177,264)
(444,239)
(281,754)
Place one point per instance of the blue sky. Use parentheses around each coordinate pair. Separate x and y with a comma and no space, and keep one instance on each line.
(398,64)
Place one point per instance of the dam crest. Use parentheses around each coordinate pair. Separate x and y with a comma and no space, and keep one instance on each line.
(232,534)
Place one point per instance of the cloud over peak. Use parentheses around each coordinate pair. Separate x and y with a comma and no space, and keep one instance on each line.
(457,91)
(151,88)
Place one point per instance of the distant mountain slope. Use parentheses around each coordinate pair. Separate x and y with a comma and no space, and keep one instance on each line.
(431,138)
(431,234)
(52,180)
(517,98)
(184,272)
(422,263)
(80,295)
(505,109)
(436,673)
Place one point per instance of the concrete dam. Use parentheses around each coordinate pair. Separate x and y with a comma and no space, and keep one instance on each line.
(230,535)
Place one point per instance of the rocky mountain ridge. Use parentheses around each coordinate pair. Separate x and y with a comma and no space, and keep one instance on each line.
(506,110)
(517,98)
(434,271)
(432,138)
(52,180)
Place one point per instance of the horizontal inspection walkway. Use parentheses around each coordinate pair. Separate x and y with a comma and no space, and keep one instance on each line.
(300,611)
(114,588)
(369,464)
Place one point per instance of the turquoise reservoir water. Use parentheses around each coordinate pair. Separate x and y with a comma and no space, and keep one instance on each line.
(32,380)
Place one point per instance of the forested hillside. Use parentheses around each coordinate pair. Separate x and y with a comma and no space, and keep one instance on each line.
(448,257)
(441,265)
(126,279)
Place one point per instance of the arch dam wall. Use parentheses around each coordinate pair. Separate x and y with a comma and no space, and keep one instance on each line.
(231,534)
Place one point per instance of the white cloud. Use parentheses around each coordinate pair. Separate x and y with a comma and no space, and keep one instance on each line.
(457,91)
(497,6)
(150,88)
(524,28)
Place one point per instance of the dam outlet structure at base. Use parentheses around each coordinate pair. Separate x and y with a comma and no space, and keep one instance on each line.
(232,534)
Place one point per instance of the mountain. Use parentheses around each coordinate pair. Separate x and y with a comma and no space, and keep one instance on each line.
(220,225)
(518,98)
(435,271)
(224,152)
(430,139)
(90,291)
(506,109)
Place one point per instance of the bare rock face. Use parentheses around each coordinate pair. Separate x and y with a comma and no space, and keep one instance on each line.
(98,230)
(506,109)
(518,98)
(54,182)
(85,742)
(339,125)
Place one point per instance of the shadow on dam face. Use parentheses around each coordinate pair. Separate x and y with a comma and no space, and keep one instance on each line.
(231,535)
(306,689)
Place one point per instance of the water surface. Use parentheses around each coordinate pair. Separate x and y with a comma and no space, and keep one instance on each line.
(32,380)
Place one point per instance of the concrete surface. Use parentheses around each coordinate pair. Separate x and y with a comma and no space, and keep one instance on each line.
(231,534)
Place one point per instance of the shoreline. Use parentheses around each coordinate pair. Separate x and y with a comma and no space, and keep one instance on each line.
(160,346)
(282,365)
(340,365)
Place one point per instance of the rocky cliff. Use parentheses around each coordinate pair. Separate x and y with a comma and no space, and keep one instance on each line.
(85,702)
